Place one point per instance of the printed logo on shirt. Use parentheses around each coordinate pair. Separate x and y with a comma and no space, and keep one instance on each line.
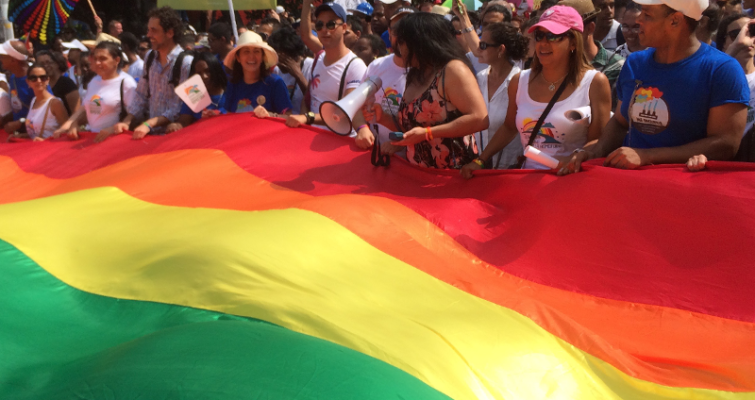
(547,138)
(244,105)
(392,96)
(15,102)
(30,128)
(649,112)
(316,81)
(95,105)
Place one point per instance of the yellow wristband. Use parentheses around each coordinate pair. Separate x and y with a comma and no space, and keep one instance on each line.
(479,162)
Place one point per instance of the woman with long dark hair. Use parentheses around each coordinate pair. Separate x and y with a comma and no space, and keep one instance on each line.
(252,87)
(107,96)
(559,58)
(211,71)
(442,106)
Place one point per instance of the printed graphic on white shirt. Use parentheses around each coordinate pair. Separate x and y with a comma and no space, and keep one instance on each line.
(649,111)
(547,138)
(95,105)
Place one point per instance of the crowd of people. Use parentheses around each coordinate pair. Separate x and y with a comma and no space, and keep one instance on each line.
(637,82)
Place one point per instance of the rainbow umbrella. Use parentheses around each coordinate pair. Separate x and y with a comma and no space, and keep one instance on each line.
(42,19)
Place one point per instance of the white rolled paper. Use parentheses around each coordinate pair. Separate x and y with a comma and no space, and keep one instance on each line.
(537,155)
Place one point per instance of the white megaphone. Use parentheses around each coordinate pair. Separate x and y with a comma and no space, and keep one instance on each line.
(338,115)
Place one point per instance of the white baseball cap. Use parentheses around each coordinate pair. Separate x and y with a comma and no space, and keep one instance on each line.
(691,8)
(388,1)
(7,49)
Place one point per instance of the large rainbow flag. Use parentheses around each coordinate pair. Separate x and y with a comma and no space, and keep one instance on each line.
(238,259)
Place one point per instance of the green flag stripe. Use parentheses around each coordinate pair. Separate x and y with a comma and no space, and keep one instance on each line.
(59,342)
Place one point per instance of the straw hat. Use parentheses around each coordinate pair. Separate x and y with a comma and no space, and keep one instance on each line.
(102,37)
(251,39)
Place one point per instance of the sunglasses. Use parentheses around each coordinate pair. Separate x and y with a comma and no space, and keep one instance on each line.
(484,46)
(264,36)
(34,78)
(330,25)
(551,37)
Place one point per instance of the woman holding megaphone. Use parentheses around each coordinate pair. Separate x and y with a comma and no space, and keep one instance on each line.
(442,106)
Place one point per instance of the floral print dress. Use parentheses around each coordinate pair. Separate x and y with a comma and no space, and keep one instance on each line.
(428,110)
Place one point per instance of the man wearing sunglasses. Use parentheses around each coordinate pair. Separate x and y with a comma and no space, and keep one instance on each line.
(14,56)
(336,70)
(678,99)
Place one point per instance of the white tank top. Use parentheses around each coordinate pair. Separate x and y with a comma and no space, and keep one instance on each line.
(36,118)
(560,134)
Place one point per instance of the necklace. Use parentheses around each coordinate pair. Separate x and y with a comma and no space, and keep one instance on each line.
(552,86)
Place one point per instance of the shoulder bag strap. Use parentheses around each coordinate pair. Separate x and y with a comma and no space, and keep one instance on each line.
(123,105)
(343,78)
(44,119)
(520,161)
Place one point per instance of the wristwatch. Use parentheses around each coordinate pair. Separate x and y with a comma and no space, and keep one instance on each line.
(468,29)
(310,117)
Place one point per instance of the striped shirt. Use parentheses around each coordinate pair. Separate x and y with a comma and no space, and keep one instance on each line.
(163,100)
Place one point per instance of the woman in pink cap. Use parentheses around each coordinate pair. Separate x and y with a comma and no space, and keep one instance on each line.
(580,112)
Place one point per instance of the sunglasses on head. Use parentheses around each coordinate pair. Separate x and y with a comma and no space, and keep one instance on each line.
(330,25)
(551,37)
(34,78)
(484,46)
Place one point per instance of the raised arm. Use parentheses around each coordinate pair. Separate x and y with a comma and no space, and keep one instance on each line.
(305,29)
(467,29)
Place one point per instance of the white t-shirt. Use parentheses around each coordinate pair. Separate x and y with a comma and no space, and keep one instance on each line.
(294,91)
(389,97)
(102,100)
(751,107)
(327,80)
(498,106)
(561,133)
(136,69)
(609,42)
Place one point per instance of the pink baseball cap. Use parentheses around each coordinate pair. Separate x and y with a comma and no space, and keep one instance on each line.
(559,19)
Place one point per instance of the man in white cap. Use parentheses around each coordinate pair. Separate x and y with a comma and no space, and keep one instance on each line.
(336,71)
(679,99)
(14,58)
